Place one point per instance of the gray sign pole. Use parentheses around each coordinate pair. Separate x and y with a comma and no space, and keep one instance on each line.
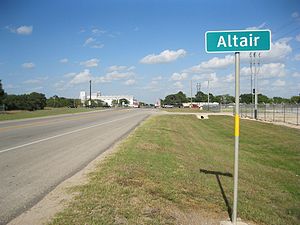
(237,135)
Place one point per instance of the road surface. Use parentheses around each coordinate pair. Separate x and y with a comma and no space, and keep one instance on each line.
(38,154)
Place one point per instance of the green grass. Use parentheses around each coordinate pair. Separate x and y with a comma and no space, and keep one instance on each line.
(156,178)
(193,110)
(188,110)
(14,115)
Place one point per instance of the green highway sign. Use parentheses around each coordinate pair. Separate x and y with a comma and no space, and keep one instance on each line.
(237,41)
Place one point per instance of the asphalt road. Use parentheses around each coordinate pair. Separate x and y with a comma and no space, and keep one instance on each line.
(38,154)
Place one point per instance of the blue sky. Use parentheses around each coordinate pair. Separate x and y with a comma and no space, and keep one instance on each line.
(144,48)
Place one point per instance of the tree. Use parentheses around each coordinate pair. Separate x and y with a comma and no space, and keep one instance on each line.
(279,100)
(175,99)
(181,97)
(95,103)
(263,98)
(201,97)
(2,93)
(227,99)
(32,101)
(36,101)
(246,98)
(295,100)
(57,102)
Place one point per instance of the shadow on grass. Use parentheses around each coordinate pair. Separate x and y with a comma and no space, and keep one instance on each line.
(218,174)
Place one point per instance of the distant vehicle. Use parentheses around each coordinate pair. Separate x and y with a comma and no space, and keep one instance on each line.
(168,106)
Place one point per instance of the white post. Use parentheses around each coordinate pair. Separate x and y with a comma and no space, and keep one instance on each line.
(208,94)
(236,134)
(191,93)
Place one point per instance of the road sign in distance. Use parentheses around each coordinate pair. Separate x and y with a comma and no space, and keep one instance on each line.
(237,41)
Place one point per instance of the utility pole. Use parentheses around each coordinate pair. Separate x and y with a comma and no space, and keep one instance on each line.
(198,87)
(208,94)
(254,68)
(191,93)
(90,102)
(251,79)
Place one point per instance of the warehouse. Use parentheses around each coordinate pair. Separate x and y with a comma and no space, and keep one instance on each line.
(109,99)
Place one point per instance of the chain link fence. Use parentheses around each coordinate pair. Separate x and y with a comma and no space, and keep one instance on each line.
(285,113)
(2,108)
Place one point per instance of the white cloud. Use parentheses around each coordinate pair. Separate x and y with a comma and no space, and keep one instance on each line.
(37,88)
(229,78)
(28,65)
(179,76)
(97,46)
(89,41)
(279,83)
(98,31)
(297,57)
(82,77)
(295,15)
(32,81)
(298,37)
(279,51)
(264,83)
(263,25)
(68,75)
(24,30)
(157,78)
(11,86)
(37,80)
(65,60)
(267,70)
(155,84)
(90,63)
(218,63)
(117,73)
(119,68)
(214,63)
(60,85)
(178,85)
(296,74)
(164,57)
(130,82)
(92,42)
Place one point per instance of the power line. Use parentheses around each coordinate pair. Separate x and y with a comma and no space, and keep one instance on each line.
(254,69)
(198,86)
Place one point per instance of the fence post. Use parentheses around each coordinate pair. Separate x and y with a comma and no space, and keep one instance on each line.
(297,114)
(241,110)
(273,112)
(284,113)
(265,111)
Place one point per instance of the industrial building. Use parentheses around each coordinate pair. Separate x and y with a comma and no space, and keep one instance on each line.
(109,98)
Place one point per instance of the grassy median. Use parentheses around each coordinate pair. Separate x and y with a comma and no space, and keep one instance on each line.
(178,170)
(24,114)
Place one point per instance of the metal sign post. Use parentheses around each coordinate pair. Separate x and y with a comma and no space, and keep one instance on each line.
(237,41)
(236,135)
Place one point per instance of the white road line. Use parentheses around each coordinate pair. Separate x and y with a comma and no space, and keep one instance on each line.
(63,134)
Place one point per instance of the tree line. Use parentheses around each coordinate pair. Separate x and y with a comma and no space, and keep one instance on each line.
(34,101)
(180,97)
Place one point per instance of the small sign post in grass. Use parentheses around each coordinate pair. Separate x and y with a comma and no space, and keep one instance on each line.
(237,41)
